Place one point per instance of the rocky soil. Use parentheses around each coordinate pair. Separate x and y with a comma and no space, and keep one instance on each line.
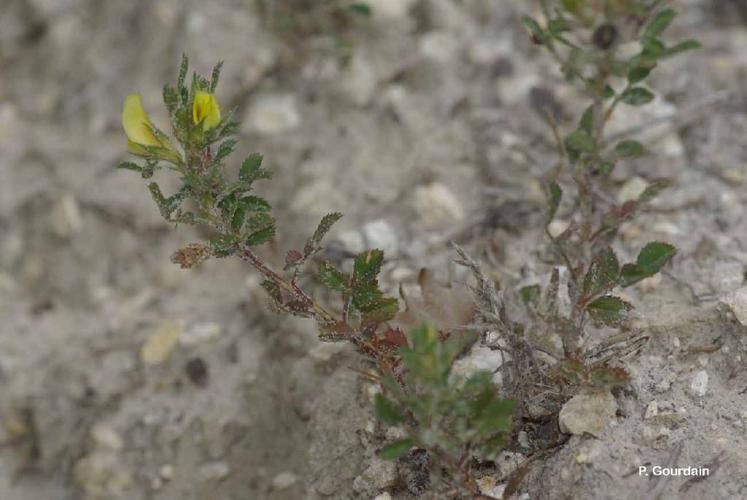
(124,377)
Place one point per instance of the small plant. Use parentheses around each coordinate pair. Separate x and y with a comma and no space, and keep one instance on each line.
(452,420)
(456,420)
(609,49)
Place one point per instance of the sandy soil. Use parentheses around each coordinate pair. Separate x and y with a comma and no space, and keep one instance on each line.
(428,134)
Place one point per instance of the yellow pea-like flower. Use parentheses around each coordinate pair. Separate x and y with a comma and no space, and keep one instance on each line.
(137,125)
(205,110)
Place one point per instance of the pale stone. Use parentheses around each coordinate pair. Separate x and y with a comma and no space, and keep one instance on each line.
(284,480)
(737,303)
(106,437)
(587,413)
(199,333)
(359,81)
(380,234)
(162,341)
(632,189)
(214,471)
(65,218)
(699,383)
(436,204)
(273,114)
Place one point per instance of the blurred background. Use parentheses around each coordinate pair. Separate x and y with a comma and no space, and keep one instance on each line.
(416,119)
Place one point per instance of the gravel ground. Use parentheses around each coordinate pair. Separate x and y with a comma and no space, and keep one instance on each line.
(124,377)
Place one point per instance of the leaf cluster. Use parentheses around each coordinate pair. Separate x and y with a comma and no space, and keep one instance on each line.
(451,417)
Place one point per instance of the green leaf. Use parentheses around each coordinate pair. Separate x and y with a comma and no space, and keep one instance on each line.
(128,165)
(384,310)
(660,22)
(254,204)
(632,274)
(640,72)
(608,92)
(366,294)
(224,245)
(170,98)
(587,120)
(606,167)
(654,255)
(556,194)
(321,231)
(650,260)
(629,149)
(387,410)
(396,449)
(530,294)
(215,76)
(224,149)
(637,96)
(609,310)
(182,73)
(653,189)
(361,9)
(332,278)
(603,273)
(261,236)
(251,169)
(682,47)
(581,142)
(653,49)
(537,32)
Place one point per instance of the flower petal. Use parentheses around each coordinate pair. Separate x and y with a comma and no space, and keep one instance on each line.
(136,122)
(205,110)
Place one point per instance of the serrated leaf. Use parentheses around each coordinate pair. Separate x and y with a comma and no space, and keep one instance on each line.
(384,310)
(261,236)
(630,274)
(581,142)
(251,169)
(653,189)
(396,449)
(603,273)
(332,278)
(254,204)
(170,98)
(224,245)
(215,76)
(660,22)
(629,149)
(387,410)
(224,149)
(609,310)
(321,231)
(654,256)
(183,67)
(556,194)
(637,96)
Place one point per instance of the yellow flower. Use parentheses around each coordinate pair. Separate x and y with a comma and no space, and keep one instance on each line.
(205,110)
(137,125)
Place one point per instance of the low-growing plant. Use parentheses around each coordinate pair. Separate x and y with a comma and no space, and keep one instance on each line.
(452,420)
(456,421)
(609,49)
